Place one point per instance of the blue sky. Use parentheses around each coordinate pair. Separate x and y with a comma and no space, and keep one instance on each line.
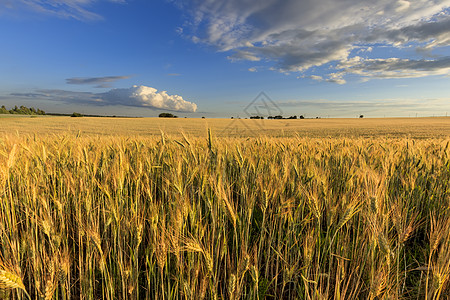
(212,58)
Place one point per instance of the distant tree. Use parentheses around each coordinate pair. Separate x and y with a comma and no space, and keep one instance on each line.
(256,117)
(302,117)
(167,115)
(22,110)
(292,117)
(270,117)
(15,110)
(278,117)
(76,115)
(361,116)
(203,117)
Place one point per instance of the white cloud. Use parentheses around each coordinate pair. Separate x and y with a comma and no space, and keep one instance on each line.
(402,5)
(394,67)
(148,97)
(298,35)
(373,107)
(67,9)
(336,78)
(136,96)
(313,77)
(244,55)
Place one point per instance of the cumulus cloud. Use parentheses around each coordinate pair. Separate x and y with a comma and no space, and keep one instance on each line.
(67,9)
(148,97)
(101,82)
(299,35)
(136,96)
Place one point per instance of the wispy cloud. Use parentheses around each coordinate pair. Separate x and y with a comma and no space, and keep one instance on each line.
(393,106)
(67,9)
(136,96)
(100,82)
(393,67)
(299,35)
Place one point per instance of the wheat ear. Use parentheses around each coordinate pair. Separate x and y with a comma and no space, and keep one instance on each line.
(10,280)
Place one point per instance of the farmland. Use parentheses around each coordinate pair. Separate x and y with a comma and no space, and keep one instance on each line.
(148,127)
(106,208)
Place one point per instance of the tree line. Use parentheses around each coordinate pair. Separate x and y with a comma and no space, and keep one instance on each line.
(22,110)
(277,117)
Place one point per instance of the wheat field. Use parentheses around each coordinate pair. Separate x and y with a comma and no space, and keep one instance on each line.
(150,127)
(185,216)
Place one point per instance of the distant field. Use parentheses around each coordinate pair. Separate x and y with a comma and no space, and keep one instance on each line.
(389,127)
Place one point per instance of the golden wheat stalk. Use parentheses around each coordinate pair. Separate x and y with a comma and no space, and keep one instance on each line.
(10,280)
(4,294)
(12,156)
